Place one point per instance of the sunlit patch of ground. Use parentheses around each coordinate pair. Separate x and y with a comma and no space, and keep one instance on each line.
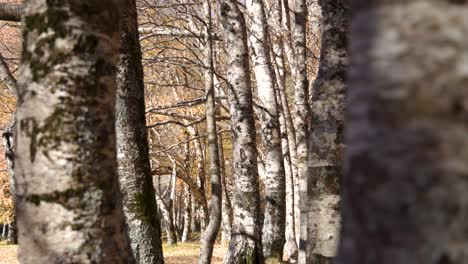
(187,253)
(8,254)
(183,253)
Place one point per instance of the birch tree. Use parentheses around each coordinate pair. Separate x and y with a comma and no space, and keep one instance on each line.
(301,120)
(214,223)
(405,178)
(274,218)
(68,198)
(326,141)
(134,168)
(245,245)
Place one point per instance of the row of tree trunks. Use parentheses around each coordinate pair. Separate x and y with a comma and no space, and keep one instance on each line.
(274,180)
(67,182)
(245,245)
(286,128)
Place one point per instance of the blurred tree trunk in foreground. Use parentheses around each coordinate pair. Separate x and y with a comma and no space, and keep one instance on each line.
(405,197)
(68,199)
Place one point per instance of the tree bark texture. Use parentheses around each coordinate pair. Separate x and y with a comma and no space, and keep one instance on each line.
(214,221)
(134,168)
(326,143)
(405,177)
(274,224)
(245,245)
(186,234)
(68,199)
(301,120)
(226,209)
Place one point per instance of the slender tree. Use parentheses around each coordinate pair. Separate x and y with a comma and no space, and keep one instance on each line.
(245,245)
(68,198)
(301,96)
(214,221)
(405,177)
(134,168)
(275,192)
(326,142)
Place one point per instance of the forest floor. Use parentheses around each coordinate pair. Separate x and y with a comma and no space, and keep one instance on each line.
(183,253)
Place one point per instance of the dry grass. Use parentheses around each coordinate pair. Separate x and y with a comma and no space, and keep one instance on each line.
(183,253)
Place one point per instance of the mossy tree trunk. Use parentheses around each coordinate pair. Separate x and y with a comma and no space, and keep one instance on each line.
(245,245)
(134,169)
(326,143)
(405,197)
(68,199)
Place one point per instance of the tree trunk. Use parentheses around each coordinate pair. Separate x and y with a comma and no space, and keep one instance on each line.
(245,245)
(405,198)
(301,92)
(68,199)
(226,226)
(326,142)
(168,221)
(4,230)
(186,234)
(12,236)
(287,131)
(203,209)
(274,224)
(134,167)
(211,231)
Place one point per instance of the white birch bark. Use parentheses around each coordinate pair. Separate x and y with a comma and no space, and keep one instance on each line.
(245,245)
(68,199)
(274,217)
(214,221)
